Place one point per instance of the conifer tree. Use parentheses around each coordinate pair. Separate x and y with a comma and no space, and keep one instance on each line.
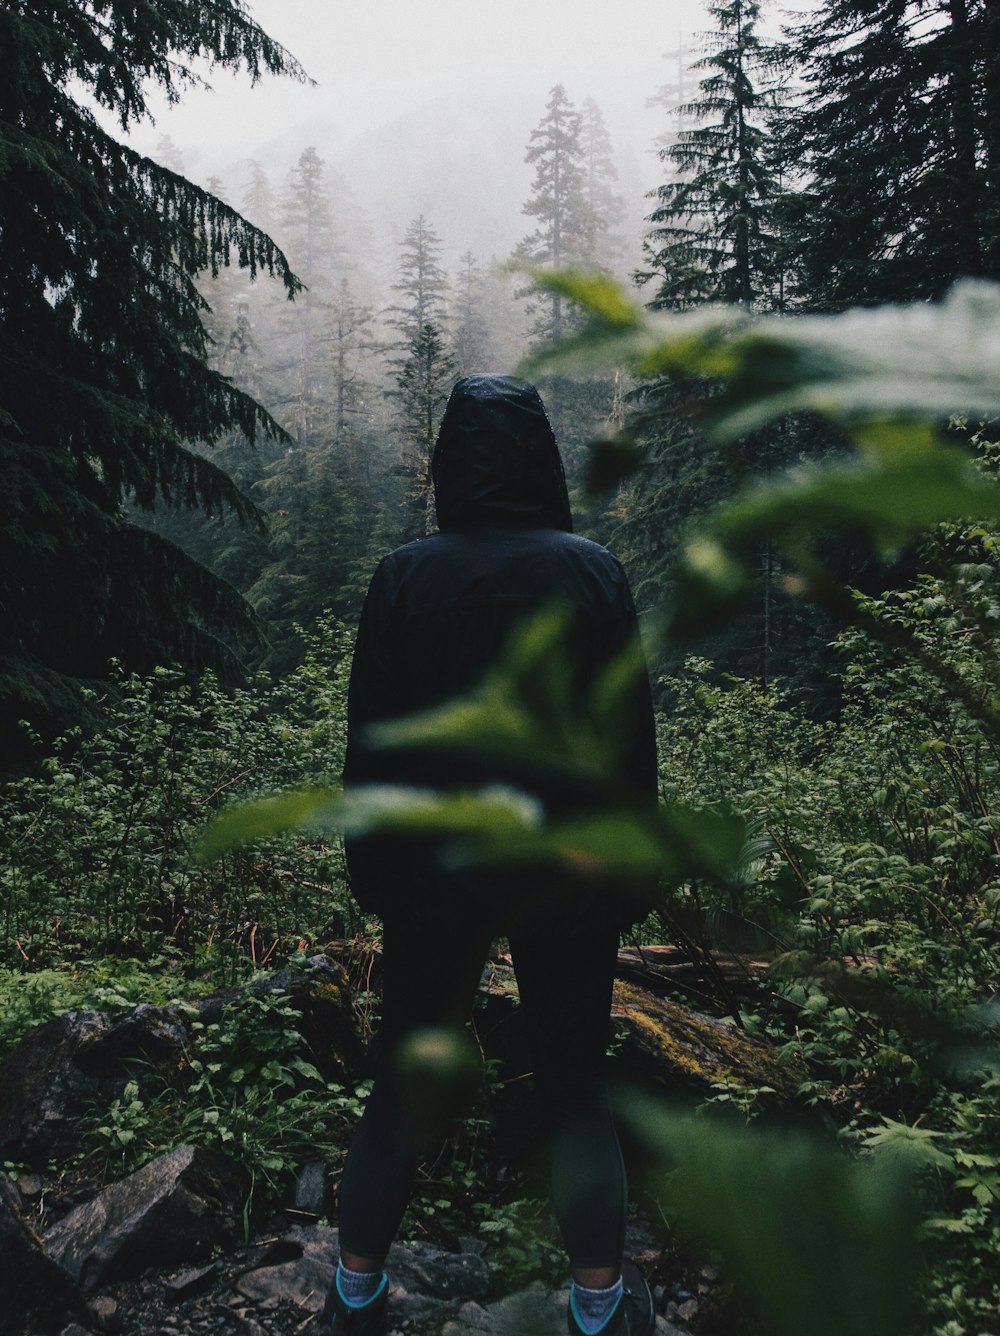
(711,233)
(472,340)
(258,197)
(348,338)
(103,345)
(897,139)
(310,241)
(558,201)
(422,364)
(307,226)
(421,282)
(603,242)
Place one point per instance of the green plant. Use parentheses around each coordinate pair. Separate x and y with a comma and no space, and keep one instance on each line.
(248,1088)
(523,1243)
(95,851)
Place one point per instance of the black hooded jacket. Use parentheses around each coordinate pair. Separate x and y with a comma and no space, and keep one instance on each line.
(440,609)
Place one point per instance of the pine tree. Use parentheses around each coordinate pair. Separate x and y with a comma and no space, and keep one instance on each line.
(712,232)
(421,282)
(423,383)
(603,242)
(472,340)
(898,142)
(310,240)
(307,226)
(421,361)
(349,338)
(102,342)
(258,198)
(565,226)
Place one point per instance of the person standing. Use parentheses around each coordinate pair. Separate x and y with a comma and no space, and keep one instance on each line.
(436,618)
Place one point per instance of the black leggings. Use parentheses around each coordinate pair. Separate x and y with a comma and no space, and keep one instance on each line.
(564,975)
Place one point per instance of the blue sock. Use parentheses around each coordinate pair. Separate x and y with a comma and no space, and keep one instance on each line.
(593,1309)
(358,1288)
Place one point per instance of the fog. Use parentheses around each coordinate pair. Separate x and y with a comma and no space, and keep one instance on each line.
(427,108)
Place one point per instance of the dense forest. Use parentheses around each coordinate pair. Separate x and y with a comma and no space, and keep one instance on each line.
(778,403)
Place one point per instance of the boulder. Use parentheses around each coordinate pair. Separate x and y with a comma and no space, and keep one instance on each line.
(659,1043)
(420,1268)
(298,1270)
(535,1311)
(36,1297)
(64,1069)
(175,1209)
(672,1048)
(45,1090)
(312,1191)
(321,991)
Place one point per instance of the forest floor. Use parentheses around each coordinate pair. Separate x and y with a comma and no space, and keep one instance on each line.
(276,1284)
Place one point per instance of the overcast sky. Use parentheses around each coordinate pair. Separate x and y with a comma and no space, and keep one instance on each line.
(373,60)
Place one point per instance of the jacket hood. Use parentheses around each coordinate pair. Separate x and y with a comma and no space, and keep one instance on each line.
(496,461)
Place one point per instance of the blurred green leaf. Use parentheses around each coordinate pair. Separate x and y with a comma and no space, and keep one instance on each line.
(913,363)
(907,363)
(894,494)
(600,296)
(639,844)
(254,822)
(820,1243)
(491,813)
(892,491)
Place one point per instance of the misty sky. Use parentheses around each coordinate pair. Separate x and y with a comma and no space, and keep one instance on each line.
(376,59)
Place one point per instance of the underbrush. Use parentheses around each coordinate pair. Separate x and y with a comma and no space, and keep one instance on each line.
(870,880)
(872,884)
(96,848)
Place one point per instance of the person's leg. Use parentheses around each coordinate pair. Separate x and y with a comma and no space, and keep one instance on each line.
(565,973)
(429,974)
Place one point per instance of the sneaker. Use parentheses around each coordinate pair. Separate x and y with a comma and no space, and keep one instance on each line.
(341,1319)
(634,1315)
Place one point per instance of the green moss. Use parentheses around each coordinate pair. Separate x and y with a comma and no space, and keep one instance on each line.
(675,1046)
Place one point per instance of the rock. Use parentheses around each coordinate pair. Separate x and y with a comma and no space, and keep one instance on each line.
(530,1312)
(106,1315)
(173,1210)
(45,1091)
(428,1285)
(419,1268)
(320,990)
(470,1317)
(298,1270)
(157,1035)
(29,1186)
(311,1190)
(191,1282)
(673,1048)
(64,1070)
(36,1298)
(61,1070)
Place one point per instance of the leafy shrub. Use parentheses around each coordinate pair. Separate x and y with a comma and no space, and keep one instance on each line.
(96,850)
(248,1088)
